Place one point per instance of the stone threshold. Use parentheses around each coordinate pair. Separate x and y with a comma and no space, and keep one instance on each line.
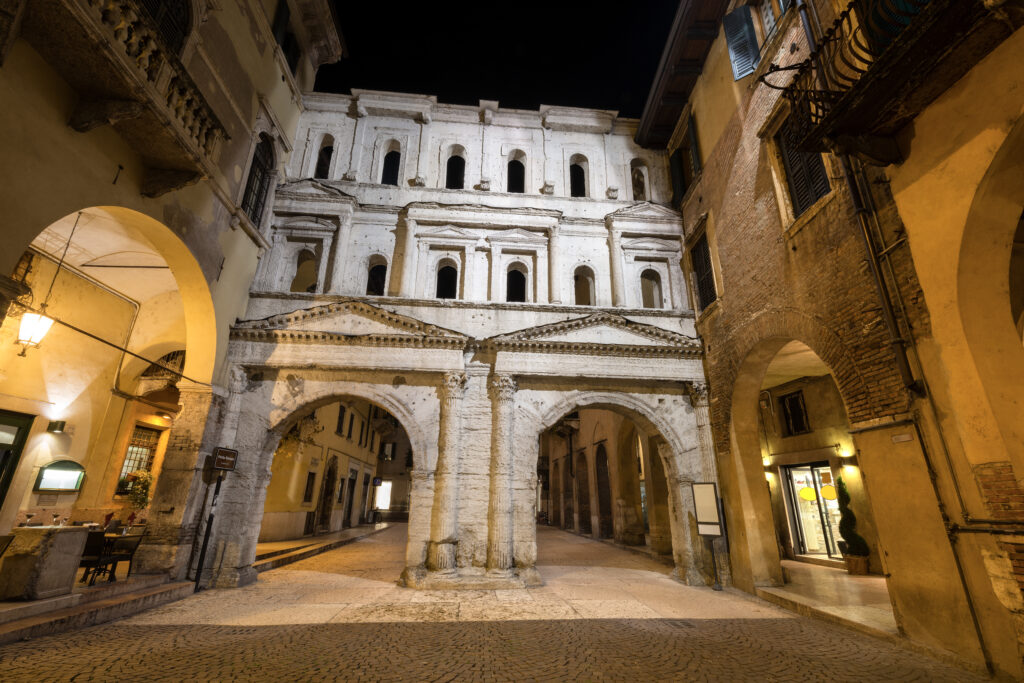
(472,578)
(820,561)
(304,549)
(807,607)
(95,610)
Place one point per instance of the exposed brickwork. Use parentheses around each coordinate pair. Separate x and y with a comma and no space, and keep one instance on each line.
(810,283)
(1015,551)
(1002,492)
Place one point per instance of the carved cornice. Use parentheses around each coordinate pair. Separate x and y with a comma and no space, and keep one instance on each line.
(338,338)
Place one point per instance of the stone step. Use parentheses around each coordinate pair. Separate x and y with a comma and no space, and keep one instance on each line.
(94,612)
(294,555)
(281,551)
(104,589)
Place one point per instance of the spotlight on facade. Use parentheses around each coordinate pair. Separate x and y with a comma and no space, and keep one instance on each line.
(842,451)
(34,327)
(165,415)
(56,426)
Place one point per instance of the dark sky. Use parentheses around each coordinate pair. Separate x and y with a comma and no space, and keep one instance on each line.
(599,54)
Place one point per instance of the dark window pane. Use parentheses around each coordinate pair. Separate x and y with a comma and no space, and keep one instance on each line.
(577,181)
(515,286)
(447,283)
(375,281)
(307,495)
(323,162)
(339,428)
(700,258)
(516,176)
(583,281)
(258,183)
(389,176)
(650,289)
(794,414)
(679,185)
(456,173)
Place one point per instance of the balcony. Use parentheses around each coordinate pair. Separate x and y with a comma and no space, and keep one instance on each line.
(112,54)
(880,64)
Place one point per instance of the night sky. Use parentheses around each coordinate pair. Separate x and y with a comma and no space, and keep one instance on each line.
(600,54)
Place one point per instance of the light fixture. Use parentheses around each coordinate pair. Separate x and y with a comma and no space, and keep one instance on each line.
(56,426)
(841,451)
(164,415)
(34,327)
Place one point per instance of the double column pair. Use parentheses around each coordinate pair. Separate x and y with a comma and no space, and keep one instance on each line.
(442,550)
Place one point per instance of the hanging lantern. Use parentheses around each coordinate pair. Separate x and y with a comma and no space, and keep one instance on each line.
(34,327)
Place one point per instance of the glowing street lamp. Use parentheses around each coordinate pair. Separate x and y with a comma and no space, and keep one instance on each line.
(34,327)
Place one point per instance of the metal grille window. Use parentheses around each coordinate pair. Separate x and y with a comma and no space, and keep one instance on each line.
(173,20)
(258,183)
(805,173)
(794,414)
(703,273)
(139,457)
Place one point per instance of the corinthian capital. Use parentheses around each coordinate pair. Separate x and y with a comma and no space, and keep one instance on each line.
(453,385)
(504,387)
(697,391)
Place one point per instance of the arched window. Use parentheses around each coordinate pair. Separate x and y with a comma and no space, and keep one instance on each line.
(258,183)
(516,173)
(638,176)
(173,21)
(376,279)
(578,176)
(515,283)
(392,160)
(305,272)
(323,159)
(447,281)
(455,174)
(583,285)
(650,289)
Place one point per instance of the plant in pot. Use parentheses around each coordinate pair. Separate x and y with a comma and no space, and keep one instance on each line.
(854,548)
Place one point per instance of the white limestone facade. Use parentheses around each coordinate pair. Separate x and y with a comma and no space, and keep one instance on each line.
(550,303)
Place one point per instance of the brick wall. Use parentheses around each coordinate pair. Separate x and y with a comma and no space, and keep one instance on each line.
(1002,493)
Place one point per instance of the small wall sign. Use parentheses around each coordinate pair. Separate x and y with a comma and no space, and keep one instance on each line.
(224,459)
(705,508)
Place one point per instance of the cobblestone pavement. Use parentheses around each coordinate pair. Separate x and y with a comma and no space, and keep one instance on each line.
(604,614)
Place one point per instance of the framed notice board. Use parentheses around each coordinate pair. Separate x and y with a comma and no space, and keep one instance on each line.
(706,510)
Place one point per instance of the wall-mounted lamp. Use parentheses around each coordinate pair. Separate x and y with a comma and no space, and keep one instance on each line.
(56,426)
(164,415)
(842,451)
(33,328)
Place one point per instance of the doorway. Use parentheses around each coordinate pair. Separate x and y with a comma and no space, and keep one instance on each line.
(813,509)
(14,429)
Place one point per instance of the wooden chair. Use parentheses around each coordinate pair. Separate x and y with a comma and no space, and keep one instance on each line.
(123,551)
(95,556)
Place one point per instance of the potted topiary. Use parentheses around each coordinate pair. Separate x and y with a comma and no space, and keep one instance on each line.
(855,548)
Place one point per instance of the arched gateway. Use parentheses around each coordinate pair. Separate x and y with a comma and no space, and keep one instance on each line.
(474,410)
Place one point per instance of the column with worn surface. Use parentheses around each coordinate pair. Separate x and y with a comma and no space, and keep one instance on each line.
(554,268)
(698,392)
(499,541)
(615,256)
(409,259)
(441,554)
(687,546)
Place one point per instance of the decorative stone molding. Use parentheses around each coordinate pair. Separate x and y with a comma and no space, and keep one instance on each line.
(503,387)
(453,385)
(697,391)
(612,193)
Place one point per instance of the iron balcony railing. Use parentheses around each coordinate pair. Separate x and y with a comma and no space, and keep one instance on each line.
(857,39)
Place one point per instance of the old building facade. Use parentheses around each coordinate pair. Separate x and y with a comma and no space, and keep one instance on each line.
(827,210)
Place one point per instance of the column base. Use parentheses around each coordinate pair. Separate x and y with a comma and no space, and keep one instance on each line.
(470,578)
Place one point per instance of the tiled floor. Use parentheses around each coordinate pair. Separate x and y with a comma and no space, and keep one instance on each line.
(602,614)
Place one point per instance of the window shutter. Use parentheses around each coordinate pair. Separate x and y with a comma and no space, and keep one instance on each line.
(691,133)
(785,5)
(700,259)
(739,34)
(805,175)
(678,177)
(767,17)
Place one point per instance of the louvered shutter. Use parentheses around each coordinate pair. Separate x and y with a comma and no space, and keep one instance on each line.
(703,274)
(785,5)
(739,34)
(678,177)
(767,17)
(691,133)
(805,175)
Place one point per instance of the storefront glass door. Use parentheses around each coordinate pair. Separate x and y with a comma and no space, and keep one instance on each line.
(813,509)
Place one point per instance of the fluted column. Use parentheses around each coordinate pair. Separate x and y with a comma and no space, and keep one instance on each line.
(441,555)
(499,541)
(698,392)
(554,267)
(409,259)
(615,256)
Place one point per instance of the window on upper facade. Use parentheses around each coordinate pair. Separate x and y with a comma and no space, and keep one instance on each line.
(805,172)
(351,421)
(515,283)
(138,457)
(257,185)
(173,20)
(583,286)
(447,282)
(389,171)
(703,272)
(794,414)
(376,277)
(339,427)
(650,289)
(305,272)
(516,176)
(742,41)
(284,35)
(638,178)
(323,158)
(307,493)
(455,173)
(685,163)
(578,176)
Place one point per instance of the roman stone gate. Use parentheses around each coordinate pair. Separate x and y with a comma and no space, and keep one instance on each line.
(475,411)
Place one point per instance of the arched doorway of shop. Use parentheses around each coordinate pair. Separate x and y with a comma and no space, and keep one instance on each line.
(132,339)
(606,472)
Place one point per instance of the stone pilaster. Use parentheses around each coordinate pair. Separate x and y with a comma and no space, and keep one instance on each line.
(409,259)
(698,392)
(495,273)
(554,267)
(499,541)
(617,266)
(441,553)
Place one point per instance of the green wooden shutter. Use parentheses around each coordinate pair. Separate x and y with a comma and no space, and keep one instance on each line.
(704,275)
(743,48)
(691,133)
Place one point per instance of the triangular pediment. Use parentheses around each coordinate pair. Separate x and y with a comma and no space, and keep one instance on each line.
(446,231)
(646,210)
(651,244)
(601,330)
(310,189)
(352,318)
(516,235)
